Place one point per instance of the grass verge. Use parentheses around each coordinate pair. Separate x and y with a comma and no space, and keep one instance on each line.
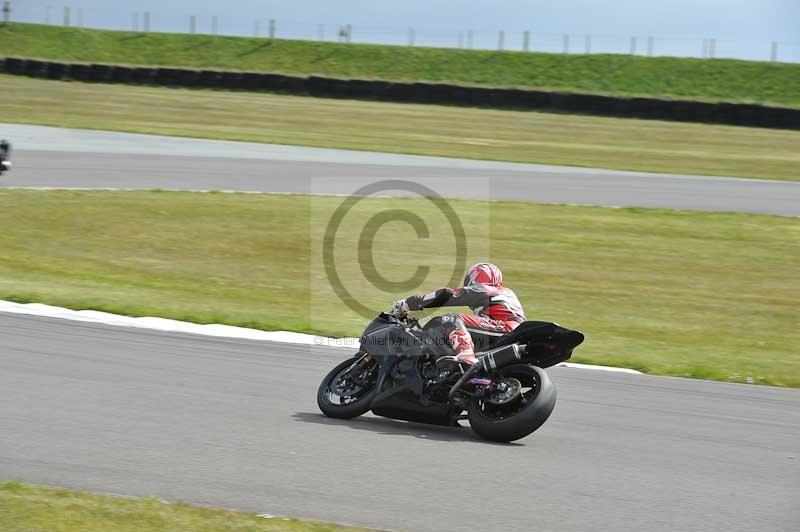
(709,295)
(26,508)
(519,136)
(619,75)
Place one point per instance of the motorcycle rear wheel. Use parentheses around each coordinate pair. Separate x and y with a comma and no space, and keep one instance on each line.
(509,422)
(346,406)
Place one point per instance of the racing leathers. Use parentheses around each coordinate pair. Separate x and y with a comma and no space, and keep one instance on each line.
(496,309)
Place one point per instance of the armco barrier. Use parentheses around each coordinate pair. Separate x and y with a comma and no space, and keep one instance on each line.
(440,93)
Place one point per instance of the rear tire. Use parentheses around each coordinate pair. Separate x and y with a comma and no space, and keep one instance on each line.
(360,402)
(515,421)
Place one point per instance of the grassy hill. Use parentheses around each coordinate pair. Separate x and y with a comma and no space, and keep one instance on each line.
(669,77)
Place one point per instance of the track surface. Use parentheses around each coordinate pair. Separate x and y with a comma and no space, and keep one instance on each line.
(52,157)
(234,423)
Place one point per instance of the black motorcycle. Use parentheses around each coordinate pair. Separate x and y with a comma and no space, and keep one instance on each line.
(403,371)
(5,152)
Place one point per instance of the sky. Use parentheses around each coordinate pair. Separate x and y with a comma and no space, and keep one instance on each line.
(742,28)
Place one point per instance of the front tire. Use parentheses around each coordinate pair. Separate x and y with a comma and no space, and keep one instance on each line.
(338,398)
(514,421)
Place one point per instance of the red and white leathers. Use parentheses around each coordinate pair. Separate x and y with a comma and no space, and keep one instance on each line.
(496,309)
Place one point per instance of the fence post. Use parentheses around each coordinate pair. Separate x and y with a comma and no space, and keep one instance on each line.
(192,24)
(146,22)
(566,43)
(773,55)
(272,28)
(80,17)
(6,12)
(214,25)
(135,21)
(587,44)
(469,39)
(526,41)
(633,45)
(349,33)
(650,45)
(412,37)
(501,40)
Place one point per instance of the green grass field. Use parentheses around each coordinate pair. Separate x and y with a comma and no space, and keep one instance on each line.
(707,295)
(26,508)
(520,136)
(714,80)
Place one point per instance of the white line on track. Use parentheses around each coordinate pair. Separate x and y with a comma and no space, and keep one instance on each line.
(224,331)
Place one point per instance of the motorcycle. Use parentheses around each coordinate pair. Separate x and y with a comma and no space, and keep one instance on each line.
(397,373)
(5,151)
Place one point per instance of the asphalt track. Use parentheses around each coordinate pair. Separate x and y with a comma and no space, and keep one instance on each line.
(52,157)
(233,423)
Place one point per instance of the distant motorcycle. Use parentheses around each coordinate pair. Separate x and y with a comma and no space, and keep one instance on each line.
(5,152)
(397,374)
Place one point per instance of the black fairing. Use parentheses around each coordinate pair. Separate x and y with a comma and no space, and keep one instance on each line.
(547,344)
(385,335)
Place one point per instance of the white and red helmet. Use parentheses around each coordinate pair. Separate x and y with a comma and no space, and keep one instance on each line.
(484,273)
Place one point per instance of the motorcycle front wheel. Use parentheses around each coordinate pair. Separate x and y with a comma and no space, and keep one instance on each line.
(347,391)
(516,419)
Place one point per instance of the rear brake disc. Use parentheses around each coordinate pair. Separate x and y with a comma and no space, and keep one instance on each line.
(504,392)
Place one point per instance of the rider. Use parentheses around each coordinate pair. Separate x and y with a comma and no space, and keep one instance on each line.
(5,149)
(496,309)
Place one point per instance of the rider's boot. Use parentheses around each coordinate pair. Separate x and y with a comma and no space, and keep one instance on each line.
(467,358)
(461,341)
